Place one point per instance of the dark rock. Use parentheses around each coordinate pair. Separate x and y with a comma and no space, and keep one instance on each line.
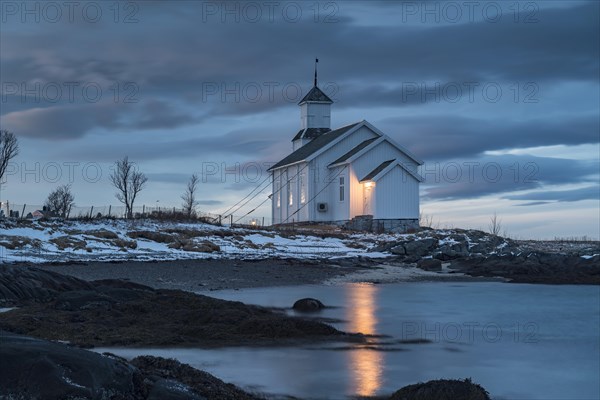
(82,300)
(429,264)
(19,284)
(34,369)
(37,369)
(443,389)
(199,381)
(452,251)
(308,305)
(398,250)
(534,267)
(420,247)
(114,313)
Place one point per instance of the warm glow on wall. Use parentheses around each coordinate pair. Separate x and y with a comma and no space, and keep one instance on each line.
(369,184)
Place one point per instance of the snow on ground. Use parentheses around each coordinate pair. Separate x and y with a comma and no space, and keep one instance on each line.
(146,240)
(38,242)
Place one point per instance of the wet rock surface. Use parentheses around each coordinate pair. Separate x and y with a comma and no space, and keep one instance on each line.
(478,254)
(442,389)
(308,305)
(199,382)
(534,268)
(20,284)
(116,313)
(35,369)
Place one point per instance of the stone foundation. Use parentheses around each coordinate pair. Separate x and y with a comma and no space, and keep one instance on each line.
(366,223)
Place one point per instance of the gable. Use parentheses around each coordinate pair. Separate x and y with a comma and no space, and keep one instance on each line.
(328,139)
(382,169)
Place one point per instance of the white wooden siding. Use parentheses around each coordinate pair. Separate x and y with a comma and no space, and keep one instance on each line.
(336,211)
(382,152)
(397,195)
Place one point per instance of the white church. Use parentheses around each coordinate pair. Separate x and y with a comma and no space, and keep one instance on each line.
(354,175)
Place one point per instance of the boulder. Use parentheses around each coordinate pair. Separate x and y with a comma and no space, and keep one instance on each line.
(420,247)
(38,369)
(429,264)
(398,250)
(442,389)
(308,305)
(452,251)
(35,369)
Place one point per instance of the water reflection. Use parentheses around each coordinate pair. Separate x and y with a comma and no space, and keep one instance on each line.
(366,366)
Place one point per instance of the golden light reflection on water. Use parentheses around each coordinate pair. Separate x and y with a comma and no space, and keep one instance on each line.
(365,365)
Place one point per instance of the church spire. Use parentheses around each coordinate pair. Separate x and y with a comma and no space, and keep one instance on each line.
(315,114)
(315,95)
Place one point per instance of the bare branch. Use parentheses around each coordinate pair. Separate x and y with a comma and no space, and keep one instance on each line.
(9,148)
(495,226)
(60,201)
(128,183)
(189,197)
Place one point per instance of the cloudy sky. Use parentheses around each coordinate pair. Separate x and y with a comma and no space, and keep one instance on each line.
(501,99)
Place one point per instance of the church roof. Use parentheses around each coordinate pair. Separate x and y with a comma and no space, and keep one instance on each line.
(385,167)
(355,150)
(316,94)
(314,145)
(377,170)
(310,133)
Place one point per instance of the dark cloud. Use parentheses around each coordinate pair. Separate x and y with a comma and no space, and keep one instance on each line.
(174,53)
(197,79)
(468,137)
(497,175)
(541,197)
(63,122)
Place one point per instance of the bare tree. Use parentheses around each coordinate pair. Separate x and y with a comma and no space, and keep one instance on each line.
(60,201)
(9,148)
(427,221)
(189,197)
(495,225)
(128,182)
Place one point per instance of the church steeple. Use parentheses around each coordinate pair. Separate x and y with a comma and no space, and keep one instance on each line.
(315,107)
(315,114)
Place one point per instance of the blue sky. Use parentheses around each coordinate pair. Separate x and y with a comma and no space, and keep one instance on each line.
(501,99)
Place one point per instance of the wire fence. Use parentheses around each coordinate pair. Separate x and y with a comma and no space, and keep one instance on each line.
(36,211)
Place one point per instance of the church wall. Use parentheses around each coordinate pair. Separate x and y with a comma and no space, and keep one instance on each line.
(397,196)
(323,175)
(382,152)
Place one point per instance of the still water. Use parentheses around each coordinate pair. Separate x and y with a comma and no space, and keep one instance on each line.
(518,341)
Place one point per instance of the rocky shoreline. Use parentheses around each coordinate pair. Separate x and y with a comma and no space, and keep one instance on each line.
(62,308)
(57,315)
(477,254)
